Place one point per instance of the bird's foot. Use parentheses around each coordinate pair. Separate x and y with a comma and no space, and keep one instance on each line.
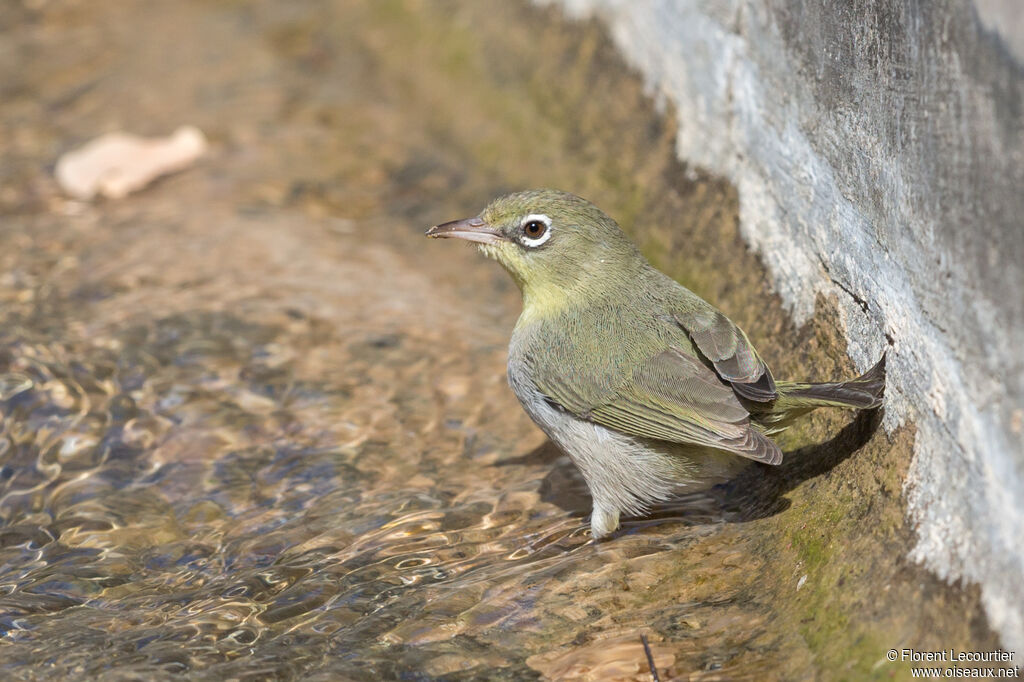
(603,521)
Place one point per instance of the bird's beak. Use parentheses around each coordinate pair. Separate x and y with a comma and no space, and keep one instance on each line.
(471,229)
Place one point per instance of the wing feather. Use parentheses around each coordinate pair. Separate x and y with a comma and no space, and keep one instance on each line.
(729,350)
(673,396)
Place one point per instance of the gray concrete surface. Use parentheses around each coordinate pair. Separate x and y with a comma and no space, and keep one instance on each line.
(879,156)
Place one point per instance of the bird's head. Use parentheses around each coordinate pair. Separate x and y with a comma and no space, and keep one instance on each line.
(554,244)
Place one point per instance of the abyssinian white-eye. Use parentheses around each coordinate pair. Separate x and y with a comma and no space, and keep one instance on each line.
(649,389)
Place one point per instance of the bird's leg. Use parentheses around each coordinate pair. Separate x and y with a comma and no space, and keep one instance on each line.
(604,520)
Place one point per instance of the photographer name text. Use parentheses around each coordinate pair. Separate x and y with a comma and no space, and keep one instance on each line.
(951,656)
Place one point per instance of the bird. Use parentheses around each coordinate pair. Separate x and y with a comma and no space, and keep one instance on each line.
(649,389)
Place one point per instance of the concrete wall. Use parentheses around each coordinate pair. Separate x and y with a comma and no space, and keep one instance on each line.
(878,151)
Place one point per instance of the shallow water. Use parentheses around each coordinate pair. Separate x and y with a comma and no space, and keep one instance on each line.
(234,498)
(255,426)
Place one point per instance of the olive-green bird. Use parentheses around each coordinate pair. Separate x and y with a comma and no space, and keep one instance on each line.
(648,388)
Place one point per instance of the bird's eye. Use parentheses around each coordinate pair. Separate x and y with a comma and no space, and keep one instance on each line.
(534,229)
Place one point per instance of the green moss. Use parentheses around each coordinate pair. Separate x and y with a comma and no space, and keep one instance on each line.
(811,547)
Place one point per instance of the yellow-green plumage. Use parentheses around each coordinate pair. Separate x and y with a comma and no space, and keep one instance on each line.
(642,382)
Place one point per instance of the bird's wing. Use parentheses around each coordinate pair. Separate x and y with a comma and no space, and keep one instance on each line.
(670,396)
(728,349)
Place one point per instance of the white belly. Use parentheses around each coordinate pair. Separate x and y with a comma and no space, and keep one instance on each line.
(624,473)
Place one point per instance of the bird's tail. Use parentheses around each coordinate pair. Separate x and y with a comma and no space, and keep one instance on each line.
(863,393)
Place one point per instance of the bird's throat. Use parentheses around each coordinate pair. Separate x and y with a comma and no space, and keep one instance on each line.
(544,302)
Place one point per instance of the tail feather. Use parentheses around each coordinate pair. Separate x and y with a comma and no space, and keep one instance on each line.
(863,393)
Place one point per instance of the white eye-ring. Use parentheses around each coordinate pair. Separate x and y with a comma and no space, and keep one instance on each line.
(536,229)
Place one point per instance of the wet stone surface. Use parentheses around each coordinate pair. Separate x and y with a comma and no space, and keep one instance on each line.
(255,426)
